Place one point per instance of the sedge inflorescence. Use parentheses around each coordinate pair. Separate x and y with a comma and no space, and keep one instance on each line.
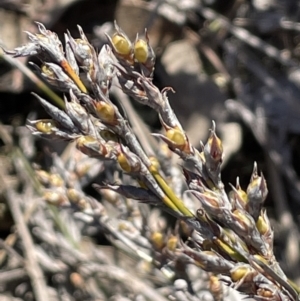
(228,234)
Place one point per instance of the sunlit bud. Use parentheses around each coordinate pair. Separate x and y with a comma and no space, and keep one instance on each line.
(177,137)
(261,225)
(56,180)
(144,54)
(178,144)
(123,162)
(172,242)
(121,43)
(48,72)
(55,198)
(45,126)
(213,150)
(126,164)
(73,195)
(241,272)
(106,112)
(257,192)
(128,161)
(157,239)
(43,176)
(264,227)
(141,50)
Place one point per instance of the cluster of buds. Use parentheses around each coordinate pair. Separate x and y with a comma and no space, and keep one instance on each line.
(230,234)
(138,55)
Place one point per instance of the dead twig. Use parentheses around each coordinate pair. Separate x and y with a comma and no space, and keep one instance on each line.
(31,264)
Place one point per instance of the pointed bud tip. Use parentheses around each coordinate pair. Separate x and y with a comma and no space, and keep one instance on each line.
(214,147)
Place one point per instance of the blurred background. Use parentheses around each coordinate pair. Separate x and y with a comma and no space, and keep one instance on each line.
(235,62)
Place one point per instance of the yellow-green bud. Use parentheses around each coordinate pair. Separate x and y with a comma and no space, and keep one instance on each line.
(141,51)
(106,112)
(123,162)
(177,137)
(45,126)
(157,239)
(121,44)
